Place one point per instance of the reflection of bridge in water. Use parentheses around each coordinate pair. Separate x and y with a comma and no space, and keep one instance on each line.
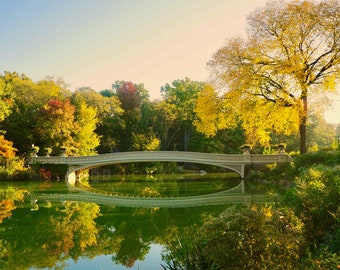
(234,162)
(235,195)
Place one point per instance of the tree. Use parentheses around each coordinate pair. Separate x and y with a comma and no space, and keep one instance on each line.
(181,95)
(7,150)
(56,126)
(320,134)
(6,99)
(292,52)
(211,114)
(140,88)
(86,138)
(131,99)
(6,147)
(28,98)
(108,110)
(142,142)
(162,118)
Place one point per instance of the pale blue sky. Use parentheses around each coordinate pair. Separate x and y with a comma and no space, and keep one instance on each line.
(95,42)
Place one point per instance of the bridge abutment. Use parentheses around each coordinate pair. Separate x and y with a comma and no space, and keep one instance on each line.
(71,178)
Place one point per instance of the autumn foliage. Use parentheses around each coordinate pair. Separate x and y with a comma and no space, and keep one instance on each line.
(6,207)
(6,148)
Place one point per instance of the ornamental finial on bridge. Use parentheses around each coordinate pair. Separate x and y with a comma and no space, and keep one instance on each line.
(245,148)
(35,150)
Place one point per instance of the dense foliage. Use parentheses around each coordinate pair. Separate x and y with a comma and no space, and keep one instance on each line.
(302,231)
(290,54)
(257,95)
(86,122)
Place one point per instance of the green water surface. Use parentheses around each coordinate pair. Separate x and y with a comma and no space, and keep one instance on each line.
(79,235)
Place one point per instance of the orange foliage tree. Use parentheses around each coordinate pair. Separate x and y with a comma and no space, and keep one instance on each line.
(7,150)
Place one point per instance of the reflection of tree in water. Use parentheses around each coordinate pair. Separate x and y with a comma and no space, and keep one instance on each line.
(138,228)
(8,196)
(135,230)
(75,229)
(131,249)
(48,237)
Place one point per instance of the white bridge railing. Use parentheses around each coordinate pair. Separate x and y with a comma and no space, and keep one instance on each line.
(145,156)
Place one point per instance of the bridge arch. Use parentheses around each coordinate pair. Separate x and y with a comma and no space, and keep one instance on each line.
(77,164)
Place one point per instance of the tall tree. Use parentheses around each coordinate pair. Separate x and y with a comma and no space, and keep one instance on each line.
(292,52)
(181,95)
(320,133)
(56,125)
(6,99)
(162,119)
(130,98)
(86,138)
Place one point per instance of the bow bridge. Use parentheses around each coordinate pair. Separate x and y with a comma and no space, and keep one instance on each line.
(234,162)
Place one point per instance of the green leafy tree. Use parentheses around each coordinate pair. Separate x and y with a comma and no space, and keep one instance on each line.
(109,114)
(320,133)
(6,99)
(292,52)
(142,142)
(164,124)
(106,105)
(181,98)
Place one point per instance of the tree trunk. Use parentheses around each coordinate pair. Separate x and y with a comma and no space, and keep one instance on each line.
(187,134)
(303,127)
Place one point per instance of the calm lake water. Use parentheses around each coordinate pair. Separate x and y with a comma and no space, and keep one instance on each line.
(80,235)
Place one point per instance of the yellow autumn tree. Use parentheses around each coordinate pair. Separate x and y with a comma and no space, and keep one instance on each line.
(86,138)
(291,54)
(212,116)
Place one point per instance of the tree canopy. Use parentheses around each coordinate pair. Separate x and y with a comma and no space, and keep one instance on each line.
(5,99)
(292,52)
(181,98)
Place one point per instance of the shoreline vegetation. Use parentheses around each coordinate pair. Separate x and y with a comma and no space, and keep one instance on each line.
(300,231)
